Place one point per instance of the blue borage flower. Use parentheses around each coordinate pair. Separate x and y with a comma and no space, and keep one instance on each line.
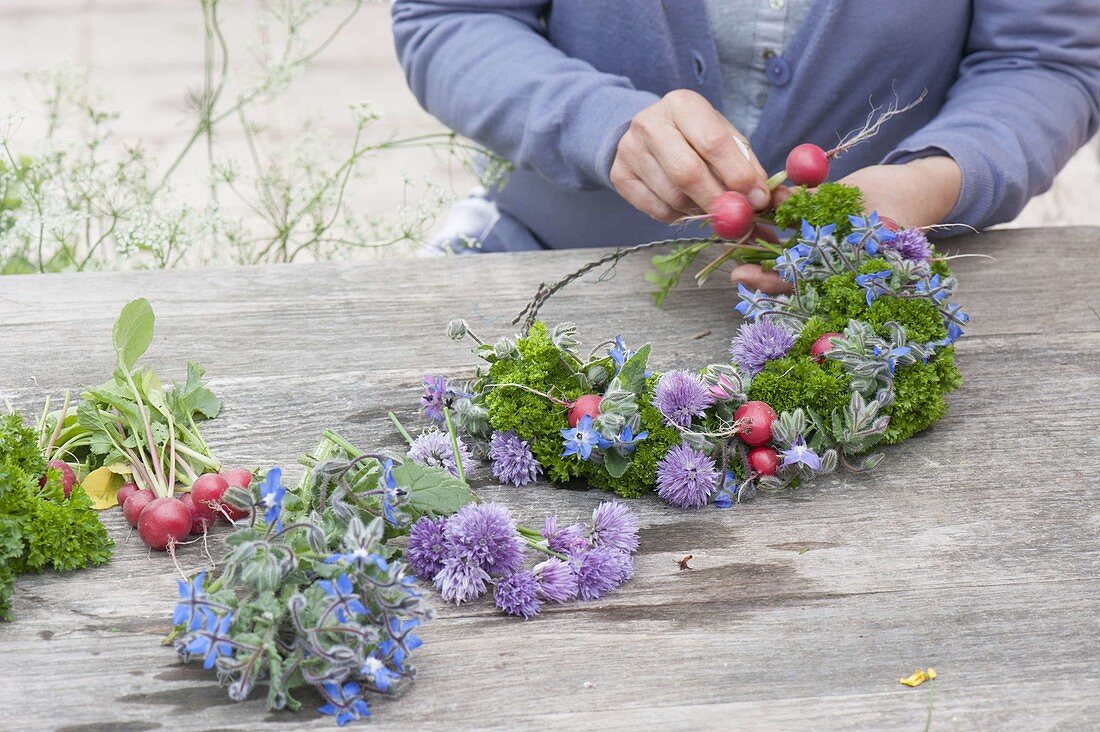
(391,495)
(379,674)
(874,284)
(210,641)
(800,454)
(344,597)
(193,606)
(891,356)
(754,303)
(626,441)
(401,643)
(933,288)
(792,261)
(345,702)
(582,439)
(619,354)
(272,493)
(869,232)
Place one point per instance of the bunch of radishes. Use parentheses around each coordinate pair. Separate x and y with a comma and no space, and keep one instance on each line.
(731,214)
(163,522)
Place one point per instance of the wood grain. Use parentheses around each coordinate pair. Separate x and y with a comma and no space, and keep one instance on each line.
(973,548)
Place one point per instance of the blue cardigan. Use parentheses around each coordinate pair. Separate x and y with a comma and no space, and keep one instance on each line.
(1013,90)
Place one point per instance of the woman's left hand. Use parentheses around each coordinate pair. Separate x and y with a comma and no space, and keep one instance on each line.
(922,192)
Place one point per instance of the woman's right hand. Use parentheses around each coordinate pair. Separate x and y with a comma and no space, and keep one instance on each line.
(678,154)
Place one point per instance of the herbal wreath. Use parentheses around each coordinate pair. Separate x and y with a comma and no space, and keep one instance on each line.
(859,354)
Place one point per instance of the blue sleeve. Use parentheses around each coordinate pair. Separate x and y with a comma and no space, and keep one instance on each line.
(486,69)
(1027,97)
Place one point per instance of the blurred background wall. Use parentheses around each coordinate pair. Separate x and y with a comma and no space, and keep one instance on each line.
(144,55)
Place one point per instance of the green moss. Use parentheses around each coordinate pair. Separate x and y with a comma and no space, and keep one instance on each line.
(533,417)
(641,476)
(833,203)
(798,381)
(919,391)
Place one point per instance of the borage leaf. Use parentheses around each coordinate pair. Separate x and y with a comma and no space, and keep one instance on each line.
(432,491)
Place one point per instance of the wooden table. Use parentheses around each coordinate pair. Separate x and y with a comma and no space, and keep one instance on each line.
(973,548)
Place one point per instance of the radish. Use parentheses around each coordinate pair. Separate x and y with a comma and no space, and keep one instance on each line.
(240,477)
(163,523)
(587,405)
(208,489)
(759,417)
(763,460)
(136,503)
(202,517)
(731,215)
(823,345)
(127,490)
(889,223)
(68,478)
(807,165)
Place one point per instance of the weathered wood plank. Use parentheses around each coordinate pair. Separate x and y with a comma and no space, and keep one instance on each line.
(973,549)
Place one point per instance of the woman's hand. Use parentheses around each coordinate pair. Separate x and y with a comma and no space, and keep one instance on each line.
(678,154)
(918,193)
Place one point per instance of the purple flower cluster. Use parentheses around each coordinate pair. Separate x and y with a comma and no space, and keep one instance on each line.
(910,244)
(433,448)
(481,546)
(512,459)
(681,396)
(436,396)
(686,477)
(759,342)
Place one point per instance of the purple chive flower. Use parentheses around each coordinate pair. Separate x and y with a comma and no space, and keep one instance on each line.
(517,594)
(433,448)
(599,570)
(557,583)
(436,396)
(911,244)
(799,454)
(757,343)
(686,477)
(615,526)
(485,535)
(460,581)
(427,547)
(680,396)
(512,459)
(564,540)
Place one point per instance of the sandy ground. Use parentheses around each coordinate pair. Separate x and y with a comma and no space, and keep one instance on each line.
(146,54)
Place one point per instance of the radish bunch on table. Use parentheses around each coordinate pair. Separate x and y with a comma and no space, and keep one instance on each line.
(164,522)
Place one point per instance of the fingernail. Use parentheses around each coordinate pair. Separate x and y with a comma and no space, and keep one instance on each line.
(759,198)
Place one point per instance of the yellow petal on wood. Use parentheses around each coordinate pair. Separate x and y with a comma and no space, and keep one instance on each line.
(102,486)
(918,677)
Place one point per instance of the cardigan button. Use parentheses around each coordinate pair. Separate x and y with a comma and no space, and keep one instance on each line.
(778,70)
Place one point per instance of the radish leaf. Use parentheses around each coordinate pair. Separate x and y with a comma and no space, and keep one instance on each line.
(133,332)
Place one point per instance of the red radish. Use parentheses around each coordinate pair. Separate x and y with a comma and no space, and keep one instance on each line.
(889,223)
(807,165)
(587,405)
(127,490)
(823,345)
(759,417)
(763,460)
(731,215)
(202,517)
(163,523)
(240,477)
(136,503)
(208,489)
(68,478)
